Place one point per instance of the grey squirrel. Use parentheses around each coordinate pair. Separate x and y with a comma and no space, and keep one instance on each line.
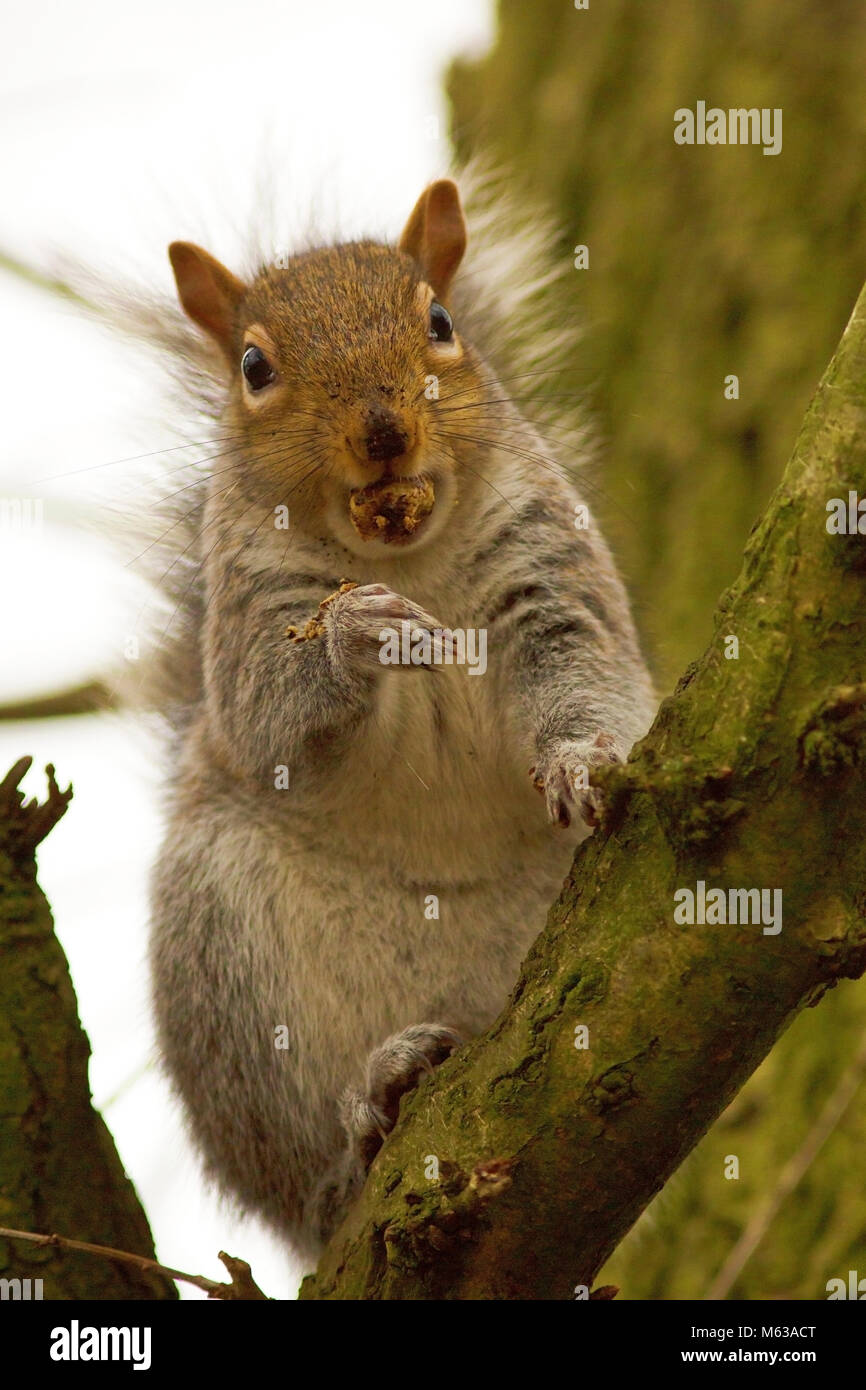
(321,800)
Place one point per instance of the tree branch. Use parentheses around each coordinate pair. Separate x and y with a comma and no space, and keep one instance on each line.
(751,777)
(90,697)
(242,1287)
(58,1165)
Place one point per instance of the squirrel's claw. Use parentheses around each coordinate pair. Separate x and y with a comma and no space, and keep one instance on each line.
(561,777)
(392,1069)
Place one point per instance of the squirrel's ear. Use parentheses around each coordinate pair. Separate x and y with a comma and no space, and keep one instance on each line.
(208,292)
(435,235)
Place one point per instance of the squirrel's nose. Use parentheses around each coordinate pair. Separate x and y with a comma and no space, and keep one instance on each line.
(384,437)
(385,442)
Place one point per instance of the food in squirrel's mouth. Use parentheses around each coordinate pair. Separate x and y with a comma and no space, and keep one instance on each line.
(391,509)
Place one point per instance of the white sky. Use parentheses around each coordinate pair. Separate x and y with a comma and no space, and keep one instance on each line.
(123,126)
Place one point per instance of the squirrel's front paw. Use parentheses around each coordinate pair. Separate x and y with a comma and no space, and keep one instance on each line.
(356,618)
(562,777)
(392,1070)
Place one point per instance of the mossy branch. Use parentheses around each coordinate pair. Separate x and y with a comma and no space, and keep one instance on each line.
(59,1169)
(517,1169)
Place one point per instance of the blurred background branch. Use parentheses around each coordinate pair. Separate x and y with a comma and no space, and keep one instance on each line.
(87,698)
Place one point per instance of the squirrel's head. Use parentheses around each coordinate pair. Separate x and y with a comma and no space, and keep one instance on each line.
(339,364)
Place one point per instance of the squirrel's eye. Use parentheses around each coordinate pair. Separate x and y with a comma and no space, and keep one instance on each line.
(257,369)
(441,327)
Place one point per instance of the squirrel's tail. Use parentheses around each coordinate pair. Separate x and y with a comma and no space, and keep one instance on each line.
(158,531)
(515,296)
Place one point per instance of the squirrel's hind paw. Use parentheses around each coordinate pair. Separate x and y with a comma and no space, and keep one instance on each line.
(393,1069)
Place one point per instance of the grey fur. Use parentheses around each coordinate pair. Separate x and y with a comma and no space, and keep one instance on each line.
(306,906)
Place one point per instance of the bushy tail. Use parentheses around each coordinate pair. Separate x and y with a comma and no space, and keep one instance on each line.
(514,298)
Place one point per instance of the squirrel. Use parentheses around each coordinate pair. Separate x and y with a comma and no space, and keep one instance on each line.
(356,853)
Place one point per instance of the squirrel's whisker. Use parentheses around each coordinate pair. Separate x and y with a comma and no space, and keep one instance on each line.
(132,458)
(500,380)
(251,537)
(181,520)
(543,462)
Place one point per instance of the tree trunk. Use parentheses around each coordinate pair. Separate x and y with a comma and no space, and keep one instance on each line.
(703,260)
(751,777)
(59,1169)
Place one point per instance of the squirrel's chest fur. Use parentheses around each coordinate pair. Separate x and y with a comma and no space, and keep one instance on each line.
(409,876)
(407,867)
(434,787)
(439,789)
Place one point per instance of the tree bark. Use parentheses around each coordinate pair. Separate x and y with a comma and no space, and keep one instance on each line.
(751,777)
(59,1169)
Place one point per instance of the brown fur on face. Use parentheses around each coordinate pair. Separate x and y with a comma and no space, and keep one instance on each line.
(357,377)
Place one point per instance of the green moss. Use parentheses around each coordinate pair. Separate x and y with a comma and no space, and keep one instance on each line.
(59,1170)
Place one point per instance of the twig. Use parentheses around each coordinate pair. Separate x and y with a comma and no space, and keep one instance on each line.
(88,698)
(790,1177)
(242,1286)
(126,1085)
(26,823)
(42,280)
